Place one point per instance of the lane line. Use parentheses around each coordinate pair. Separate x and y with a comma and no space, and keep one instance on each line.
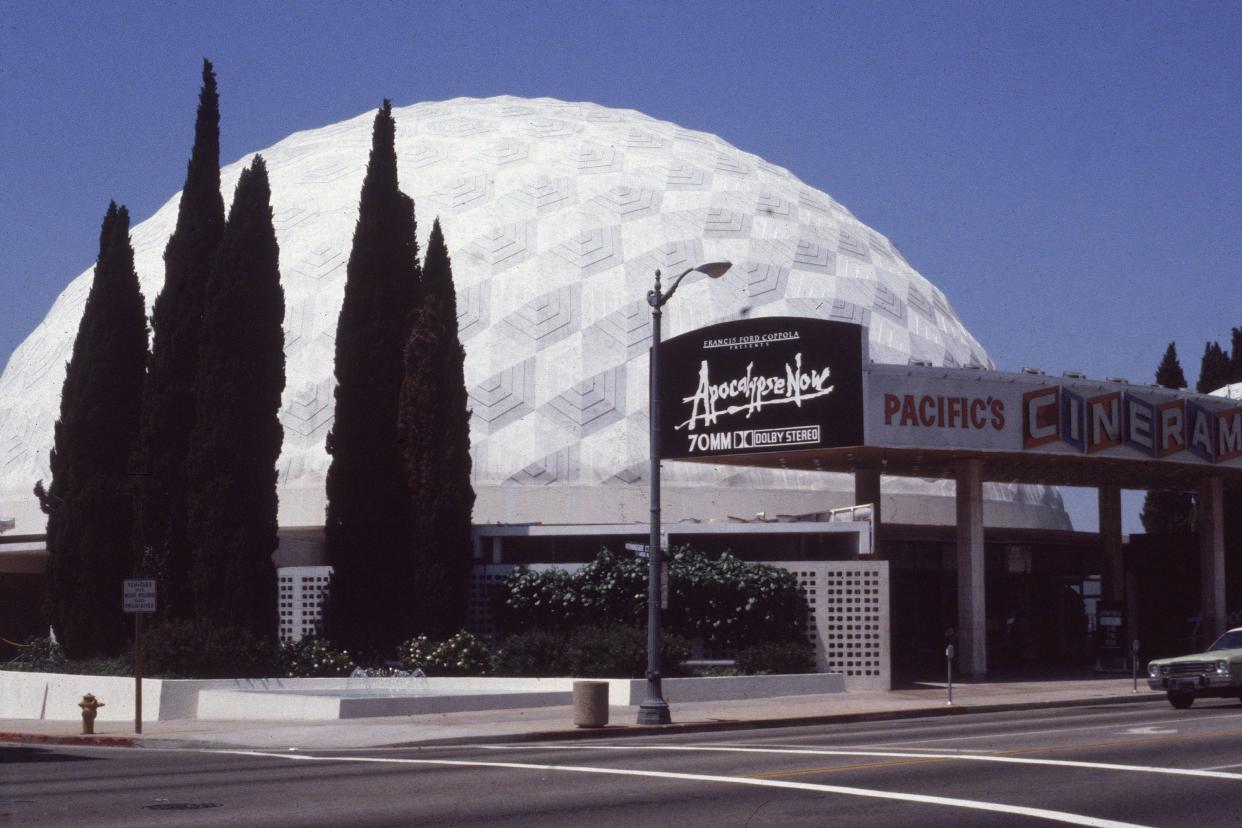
(1223,767)
(1151,740)
(1051,730)
(923,799)
(1121,718)
(1011,760)
(969,751)
(892,763)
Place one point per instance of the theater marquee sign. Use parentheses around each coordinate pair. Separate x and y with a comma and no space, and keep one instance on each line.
(761,385)
(939,408)
(792,390)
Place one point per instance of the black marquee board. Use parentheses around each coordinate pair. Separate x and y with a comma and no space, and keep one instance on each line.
(773,384)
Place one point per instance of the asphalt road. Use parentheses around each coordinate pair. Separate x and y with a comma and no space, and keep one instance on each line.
(1143,764)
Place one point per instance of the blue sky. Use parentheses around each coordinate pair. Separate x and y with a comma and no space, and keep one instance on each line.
(1068,173)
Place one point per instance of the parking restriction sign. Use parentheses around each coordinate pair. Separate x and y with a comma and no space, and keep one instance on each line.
(138,595)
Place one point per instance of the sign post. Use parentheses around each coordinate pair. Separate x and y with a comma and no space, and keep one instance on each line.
(1112,635)
(948,660)
(138,598)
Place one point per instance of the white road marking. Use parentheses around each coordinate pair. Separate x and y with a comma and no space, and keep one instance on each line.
(939,723)
(970,751)
(1003,735)
(964,757)
(1151,730)
(1223,767)
(1020,810)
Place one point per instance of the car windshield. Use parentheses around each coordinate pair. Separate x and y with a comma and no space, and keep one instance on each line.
(1231,640)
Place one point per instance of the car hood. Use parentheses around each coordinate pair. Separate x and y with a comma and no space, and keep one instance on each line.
(1213,655)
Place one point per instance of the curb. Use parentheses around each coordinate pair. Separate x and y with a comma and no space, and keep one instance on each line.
(56,739)
(627,731)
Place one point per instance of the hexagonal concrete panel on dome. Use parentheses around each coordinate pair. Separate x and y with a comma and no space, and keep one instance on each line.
(556,215)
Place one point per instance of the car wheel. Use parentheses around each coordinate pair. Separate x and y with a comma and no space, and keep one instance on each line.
(1181,700)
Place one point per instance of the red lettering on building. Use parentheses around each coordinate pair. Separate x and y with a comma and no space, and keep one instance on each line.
(891,406)
(998,413)
(908,415)
(927,411)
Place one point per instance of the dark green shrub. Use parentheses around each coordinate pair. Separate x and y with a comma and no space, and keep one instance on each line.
(198,649)
(776,657)
(610,589)
(115,666)
(533,653)
(726,602)
(731,603)
(714,671)
(463,654)
(312,658)
(597,651)
(43,655)
(607,651)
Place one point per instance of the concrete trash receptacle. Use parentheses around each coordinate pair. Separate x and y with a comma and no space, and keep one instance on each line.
(590,703)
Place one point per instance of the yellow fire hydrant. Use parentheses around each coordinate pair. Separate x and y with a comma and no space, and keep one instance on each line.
(90,707)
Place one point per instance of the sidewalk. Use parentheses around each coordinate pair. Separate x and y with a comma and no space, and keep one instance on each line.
(548,723)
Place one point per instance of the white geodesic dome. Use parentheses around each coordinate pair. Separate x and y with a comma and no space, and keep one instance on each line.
(556,215)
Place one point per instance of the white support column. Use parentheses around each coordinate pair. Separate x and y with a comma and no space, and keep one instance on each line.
(972,643)
(1210,511)
(867,490)
(1112,573)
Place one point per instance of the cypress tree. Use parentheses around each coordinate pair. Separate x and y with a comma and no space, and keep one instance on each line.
(89,536)
(367,529)
(1235,356)
(237,436)
(1168,512)
(1233,497)
(1169,372)
(1213,370)
(169,402)
(435,434)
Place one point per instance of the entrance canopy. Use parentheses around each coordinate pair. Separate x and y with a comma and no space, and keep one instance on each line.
(800,393)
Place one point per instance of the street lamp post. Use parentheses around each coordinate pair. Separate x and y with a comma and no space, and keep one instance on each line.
(654,709)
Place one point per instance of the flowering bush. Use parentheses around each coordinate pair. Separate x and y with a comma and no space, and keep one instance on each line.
(463,654)
(313,658)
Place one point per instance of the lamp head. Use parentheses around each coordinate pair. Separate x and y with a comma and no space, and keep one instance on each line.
(715,269)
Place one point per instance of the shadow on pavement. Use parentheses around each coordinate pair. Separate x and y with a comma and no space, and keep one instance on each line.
(13,755)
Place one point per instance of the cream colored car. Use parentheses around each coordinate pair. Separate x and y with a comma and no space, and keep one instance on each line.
(1215,673)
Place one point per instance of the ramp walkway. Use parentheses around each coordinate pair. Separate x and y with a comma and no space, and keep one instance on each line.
(555,721)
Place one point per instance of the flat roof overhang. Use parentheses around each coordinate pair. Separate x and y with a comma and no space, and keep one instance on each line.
(1001,467)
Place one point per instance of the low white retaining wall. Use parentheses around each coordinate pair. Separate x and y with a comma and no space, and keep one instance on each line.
(55,696)
(725,688)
